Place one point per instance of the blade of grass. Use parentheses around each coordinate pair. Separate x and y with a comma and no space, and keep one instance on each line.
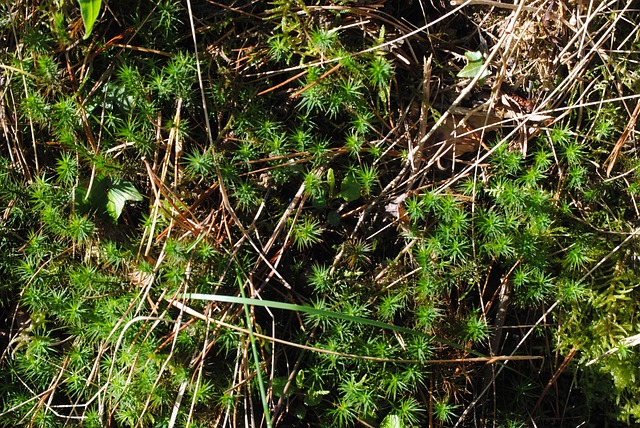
(323,313)
(256,359)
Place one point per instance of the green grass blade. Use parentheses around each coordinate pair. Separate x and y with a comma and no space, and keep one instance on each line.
(319,312)
(256,358)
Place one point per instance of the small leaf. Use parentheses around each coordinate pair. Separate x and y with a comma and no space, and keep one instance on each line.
(473,67)
(90,9)
(333,218)
(350,189)
(313,398)
(320,201)
(119,193)
(300,378)
(474,56)
(301,412)
(278,385)
(331,180)
(392,421)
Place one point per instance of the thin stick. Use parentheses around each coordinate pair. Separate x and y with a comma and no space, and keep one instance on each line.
(555,377)
(312,84)
(279,85)
(611,160)
(494,3)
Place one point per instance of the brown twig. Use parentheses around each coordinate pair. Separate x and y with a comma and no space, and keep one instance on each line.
(314,83)
(279,85)
(611,160)
(493,3)
(554,378)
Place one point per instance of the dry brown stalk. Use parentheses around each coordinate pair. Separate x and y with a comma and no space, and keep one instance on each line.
(312,84)
(493,3)
(555,377)
(611,160)
(279,85)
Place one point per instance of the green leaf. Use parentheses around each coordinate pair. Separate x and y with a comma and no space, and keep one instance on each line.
(119,193)
(350,189)
(313,398)
(90,9)
(320,201)
(300,378)
(278,385)
(473,67)
(331,180)
(333,218)
(474,56)
(301,412)
(392,421)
